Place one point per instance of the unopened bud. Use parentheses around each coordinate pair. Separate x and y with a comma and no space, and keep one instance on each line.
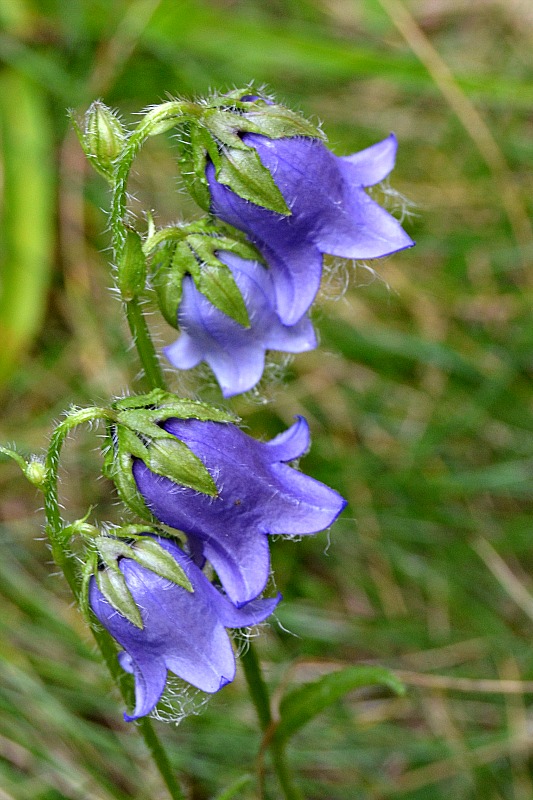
(36,473)
(131,273)
(104,135)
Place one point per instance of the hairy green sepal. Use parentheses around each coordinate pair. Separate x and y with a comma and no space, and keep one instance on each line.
(148,554)
(136,432)
(113,586)
(215,135)
(194,250)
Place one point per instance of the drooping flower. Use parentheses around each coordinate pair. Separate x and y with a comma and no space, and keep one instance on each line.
(259,494)
(183,632)
(236,354)
(330,213)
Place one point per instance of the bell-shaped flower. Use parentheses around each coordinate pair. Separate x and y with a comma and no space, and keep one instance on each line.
(330,213)
(235,353)
(183,632)
(259,494)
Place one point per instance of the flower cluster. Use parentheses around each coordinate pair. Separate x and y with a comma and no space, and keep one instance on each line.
(236,285)
(272,178)
(258,494)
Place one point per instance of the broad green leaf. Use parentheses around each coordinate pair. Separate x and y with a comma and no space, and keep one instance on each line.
(244,173)
(302,704)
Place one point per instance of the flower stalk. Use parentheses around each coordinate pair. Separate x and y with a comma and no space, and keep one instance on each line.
(261,700)
(59,537)
(59,534)
(251,665)
(156,121)
(161,119)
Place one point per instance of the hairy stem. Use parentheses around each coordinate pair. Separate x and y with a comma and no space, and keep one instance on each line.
(124,683)
(144,345)
(155,121)
(58,535)
(55,528)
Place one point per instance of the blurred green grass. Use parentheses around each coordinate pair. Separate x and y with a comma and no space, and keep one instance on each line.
(419,398)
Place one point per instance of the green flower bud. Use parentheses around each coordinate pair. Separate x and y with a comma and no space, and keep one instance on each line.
(131,273)
(104,136)
(35,472)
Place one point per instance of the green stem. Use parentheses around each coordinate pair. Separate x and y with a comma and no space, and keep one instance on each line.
(160,758)
(285,778)
(55,528)
(261,700)
(144,345)
(257,686)
(108,650)
(159,119)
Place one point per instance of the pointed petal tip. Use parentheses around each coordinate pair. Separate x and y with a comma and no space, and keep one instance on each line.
(338,507)
(370,166)
(406,244)
(223,682)
(291,443)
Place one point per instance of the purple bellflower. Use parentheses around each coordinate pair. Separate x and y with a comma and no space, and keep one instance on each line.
(184,632)
(259,494)
(331,213)
(236,354)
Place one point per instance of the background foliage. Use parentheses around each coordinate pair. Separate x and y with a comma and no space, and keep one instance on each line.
(419,398)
